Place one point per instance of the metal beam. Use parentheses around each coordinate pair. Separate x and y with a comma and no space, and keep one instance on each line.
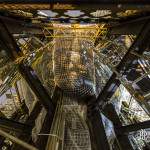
(11,125)
(108,90)
(122,138)
(17,141)
(79,1)
(106,2)
(30,76)
(31,121)
(139,46)
(42,140)
(129,27)
(35,84)
(8,43)
(75,4)
(97,131)
(14,52)
(20,27)
(134,127)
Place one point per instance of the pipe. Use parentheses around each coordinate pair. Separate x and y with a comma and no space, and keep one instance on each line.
(17,141)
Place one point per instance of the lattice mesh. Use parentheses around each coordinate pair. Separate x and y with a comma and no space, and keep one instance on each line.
(111,52)
(76,131)
(69,130)
(74,64)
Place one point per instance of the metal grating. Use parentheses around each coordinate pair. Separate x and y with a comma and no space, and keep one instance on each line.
(76,133)
(74,64)
(69,130)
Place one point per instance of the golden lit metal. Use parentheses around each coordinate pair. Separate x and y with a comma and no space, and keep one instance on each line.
(41,6)
(91,31)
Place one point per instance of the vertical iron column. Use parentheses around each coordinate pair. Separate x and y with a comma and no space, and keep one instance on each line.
(97,132)
(14,52)
(111,114)
(139,46)
(96,127)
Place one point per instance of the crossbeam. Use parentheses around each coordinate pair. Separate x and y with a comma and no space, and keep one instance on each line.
(134,127)
(11,125)
(139,46)
(74,4)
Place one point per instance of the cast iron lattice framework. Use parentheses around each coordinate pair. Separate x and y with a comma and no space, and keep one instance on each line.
(107,96)
(69,130)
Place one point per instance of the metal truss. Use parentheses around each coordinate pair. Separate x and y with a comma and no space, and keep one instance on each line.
(17,140)
(91,32)
(113,58)
(17,55)
(56,135)
(24,58)
(57,4)
(14,126)
(29,57)
(138,47)
(117,72)
(114,53)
